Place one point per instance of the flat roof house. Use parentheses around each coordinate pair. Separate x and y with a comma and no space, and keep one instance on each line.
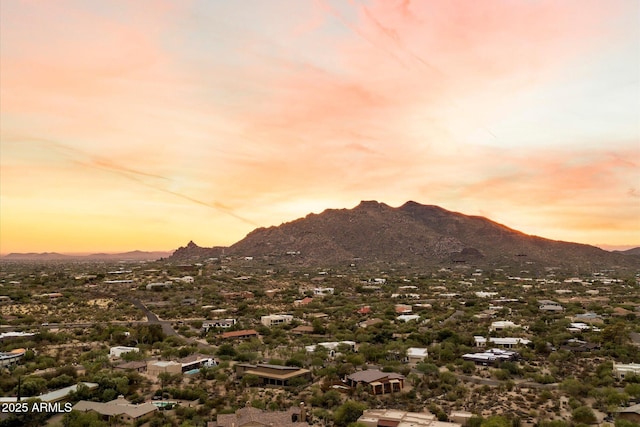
(118,351)
(272,374)
(501,325)
(491,356)
(416,355)
(276,319)
(621,371)
(243,334)
(254,417)
(170,367)
(397,418)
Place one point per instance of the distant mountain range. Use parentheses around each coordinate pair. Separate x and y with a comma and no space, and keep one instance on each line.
(54,256)
(633,251)
(412,234)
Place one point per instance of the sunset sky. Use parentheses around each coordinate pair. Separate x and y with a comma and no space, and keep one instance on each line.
(145,124)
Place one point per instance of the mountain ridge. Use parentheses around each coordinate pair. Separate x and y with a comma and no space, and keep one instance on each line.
(412,234)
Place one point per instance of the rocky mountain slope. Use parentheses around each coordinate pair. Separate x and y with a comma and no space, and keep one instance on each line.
(414,234)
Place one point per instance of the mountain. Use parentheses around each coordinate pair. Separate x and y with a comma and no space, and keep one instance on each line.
(193,252)
(632,251)
(414,234)
(44,256)
(54,256)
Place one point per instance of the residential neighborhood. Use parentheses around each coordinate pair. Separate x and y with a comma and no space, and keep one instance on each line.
(452,346)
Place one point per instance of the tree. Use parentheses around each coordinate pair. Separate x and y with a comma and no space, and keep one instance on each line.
(583,415)
(348,412)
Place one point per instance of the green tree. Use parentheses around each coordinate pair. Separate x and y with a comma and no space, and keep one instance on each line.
(583,415)
(348,412)
(496,421)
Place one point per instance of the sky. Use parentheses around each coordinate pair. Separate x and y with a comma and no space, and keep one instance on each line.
(143,125)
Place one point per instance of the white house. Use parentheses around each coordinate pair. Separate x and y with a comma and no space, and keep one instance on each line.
(408,317)
(276,319)
(218,323)
(502,342)
(120,350)
(416,355)
(501,325)
(323,291)
(621,371)
(331,346)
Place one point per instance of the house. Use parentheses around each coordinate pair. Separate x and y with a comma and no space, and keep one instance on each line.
(138,366)
(332,346)
(460,417)
(303,301)
(408,317)
(502,342)
(153,286)
(501,325)
(553,308)
(491,356)
(159,367)
(302,330)
(578,327)
(196,361)
(621,371)
(376,381)
(118,351)
(631,413)
(12,357)
(395,417)
(370,322)
(589,317)
(272,374)
(118,411)
(323,291)
(55,396)
(403,309)
(254,417)
(244,334)
(276,319)
(364,310)
(578,346)
(218,323)
(416,355)
(483,294)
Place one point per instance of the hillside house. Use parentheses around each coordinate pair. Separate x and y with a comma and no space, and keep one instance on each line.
(272,374)
(154,286)
(621,371)
(332,346)
(276,319)
(118,351)
(501,325)
(323,291)
(370,322)
(395,417)
(546,305)
(500,342)
(243,334)
(161,366)
(403,309)
(254,417)
(491,356)
(12,357)
(118,411)
(377,382)
(416,355)
(218,323)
